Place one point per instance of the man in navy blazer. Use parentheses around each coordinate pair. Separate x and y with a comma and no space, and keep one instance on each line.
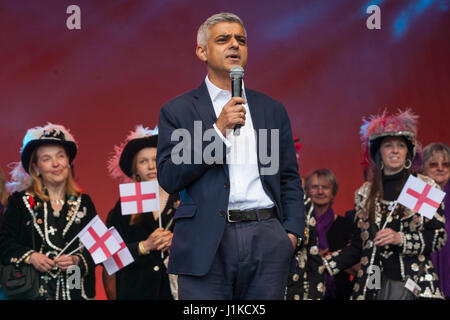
(239,222)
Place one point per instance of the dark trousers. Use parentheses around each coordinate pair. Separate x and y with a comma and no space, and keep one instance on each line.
(251,263)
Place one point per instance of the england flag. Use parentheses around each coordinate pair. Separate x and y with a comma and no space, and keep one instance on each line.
(96,238)
(121,258)
(421,197)
(139,197)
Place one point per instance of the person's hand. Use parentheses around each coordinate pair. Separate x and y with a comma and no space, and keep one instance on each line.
(64,261)
(387,236)
(41,262)
(233,113)
(159,239)
(323,252)
(293,239)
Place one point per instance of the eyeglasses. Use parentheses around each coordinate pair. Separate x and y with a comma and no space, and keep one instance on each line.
(435,165)
(315,187)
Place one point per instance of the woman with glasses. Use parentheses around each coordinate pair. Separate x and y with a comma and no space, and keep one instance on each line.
(436,165)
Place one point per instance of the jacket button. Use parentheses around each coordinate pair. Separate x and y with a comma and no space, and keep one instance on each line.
(222,213)
(226,185)
(156,268)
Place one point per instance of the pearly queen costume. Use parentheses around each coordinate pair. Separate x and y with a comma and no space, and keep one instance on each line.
(30,220)
(420,235)
(307,282)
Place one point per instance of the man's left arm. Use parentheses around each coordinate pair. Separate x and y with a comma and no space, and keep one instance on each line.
(291,190)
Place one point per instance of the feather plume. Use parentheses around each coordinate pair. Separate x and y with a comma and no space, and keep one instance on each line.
(20,179)
(113,163)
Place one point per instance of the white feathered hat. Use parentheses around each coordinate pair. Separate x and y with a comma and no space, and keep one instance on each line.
(35,137)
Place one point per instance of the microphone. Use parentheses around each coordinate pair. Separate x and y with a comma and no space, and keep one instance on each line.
(236,75)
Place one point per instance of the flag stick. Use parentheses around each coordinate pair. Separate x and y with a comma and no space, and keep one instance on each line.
(160,225)
(169,224)
(390,214)
(65,248)
(79,248)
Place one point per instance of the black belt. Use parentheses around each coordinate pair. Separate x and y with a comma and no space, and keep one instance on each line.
(251,215)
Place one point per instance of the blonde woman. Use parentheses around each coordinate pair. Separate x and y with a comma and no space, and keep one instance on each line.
(46,211)
(146,278)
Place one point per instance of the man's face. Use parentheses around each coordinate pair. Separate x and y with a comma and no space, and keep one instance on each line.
(226,47)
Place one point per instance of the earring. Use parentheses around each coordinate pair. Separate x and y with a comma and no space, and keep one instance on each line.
(382,165)
(409,165)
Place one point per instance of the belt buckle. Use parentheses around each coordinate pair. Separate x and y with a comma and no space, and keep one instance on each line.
(229,219)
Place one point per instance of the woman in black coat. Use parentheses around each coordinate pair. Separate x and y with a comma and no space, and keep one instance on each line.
(145,278)
(46,212)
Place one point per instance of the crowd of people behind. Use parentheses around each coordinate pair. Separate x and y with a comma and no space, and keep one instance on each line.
(48,206)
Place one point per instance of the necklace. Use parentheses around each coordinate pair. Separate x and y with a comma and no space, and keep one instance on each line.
(56,213)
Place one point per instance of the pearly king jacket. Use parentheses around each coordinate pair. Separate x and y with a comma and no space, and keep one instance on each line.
(420,236)
(27,216)
(307,281)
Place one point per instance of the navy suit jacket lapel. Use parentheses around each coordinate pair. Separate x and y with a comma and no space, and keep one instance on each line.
(257,112)
(204,107)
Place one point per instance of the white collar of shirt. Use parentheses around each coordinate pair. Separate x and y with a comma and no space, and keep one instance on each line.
(215,92)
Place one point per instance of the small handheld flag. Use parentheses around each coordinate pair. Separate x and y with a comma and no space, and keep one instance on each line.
(139,197)
(121,258)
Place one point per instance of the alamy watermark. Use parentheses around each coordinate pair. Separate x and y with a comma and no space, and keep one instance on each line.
(74,277)
(73,21)
(374,20)
(208,147)
(374,278)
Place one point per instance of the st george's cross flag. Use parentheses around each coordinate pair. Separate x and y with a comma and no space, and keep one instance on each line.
(421,197)
(139,197)
(121,258)
(96,238)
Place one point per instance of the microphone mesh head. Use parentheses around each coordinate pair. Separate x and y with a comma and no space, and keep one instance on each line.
(236,72)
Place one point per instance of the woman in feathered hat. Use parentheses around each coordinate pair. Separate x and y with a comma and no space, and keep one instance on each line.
(146,278)
(47,210)
(394,250)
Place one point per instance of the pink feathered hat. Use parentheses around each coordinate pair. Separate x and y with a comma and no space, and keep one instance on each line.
(119,165)
(377,127)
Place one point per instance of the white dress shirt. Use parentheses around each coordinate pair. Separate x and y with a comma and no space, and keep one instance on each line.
(246,190)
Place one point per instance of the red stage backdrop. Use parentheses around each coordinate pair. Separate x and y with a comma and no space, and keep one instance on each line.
(129,57)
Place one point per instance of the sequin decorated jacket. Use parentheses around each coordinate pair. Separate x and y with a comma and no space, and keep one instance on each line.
(307,281)
(28,216)
(420,236)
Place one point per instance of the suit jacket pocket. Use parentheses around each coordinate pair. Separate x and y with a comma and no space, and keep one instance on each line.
(186,211)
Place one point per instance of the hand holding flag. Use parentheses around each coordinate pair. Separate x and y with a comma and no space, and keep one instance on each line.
(416,195)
